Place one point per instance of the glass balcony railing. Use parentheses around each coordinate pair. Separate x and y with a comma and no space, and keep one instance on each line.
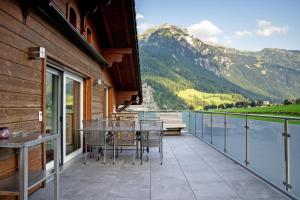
(268,146)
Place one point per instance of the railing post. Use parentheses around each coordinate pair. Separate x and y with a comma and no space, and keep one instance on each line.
(202,134)
(190,130)
(287,136)
(211,128)
(246,127)
(225,133)
(195,123)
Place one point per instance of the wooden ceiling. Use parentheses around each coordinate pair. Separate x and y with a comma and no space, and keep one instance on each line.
(116,24)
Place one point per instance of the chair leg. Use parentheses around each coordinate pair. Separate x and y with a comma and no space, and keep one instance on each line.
(141,150)
(86,152)
(114,151)
(98,153)
(133,158)
(104,156)
(137,149)
(147,147)
(161,150)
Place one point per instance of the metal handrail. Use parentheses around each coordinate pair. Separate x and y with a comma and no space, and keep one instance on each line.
(228,113)
(192,128)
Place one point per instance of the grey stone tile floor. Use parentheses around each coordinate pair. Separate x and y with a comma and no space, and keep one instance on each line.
(191,170)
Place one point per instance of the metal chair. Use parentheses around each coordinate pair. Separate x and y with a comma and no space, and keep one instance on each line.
(124,135)
(151,134)
(96,137)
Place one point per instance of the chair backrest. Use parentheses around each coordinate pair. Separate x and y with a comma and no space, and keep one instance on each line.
(124,132)
(123,125)
(149,118)
(125,115)
(95,131)
(151,125)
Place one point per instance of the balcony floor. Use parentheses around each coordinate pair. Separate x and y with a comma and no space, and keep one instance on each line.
(191,170)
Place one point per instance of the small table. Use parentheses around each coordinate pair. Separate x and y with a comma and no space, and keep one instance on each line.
(20,182)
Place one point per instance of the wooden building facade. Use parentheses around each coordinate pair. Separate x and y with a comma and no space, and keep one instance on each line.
(90,68)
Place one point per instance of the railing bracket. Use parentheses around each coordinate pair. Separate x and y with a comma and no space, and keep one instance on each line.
(288,186)
(286,135)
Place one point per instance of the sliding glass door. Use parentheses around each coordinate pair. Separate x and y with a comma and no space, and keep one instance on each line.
(64,100)
(73,100)
(53,111)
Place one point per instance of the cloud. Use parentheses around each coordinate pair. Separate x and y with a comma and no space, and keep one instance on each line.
(205,30)
(139,16)
(265,28)
(230,39)
(142,27)
(242,34)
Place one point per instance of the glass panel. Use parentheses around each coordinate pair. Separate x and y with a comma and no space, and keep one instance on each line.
(192,122)
(185,119)
(218,131)
(207,127)
(52,116)
(198,121)
(149,114)
(294,130)
(72,115)
(236,137)
(266,150)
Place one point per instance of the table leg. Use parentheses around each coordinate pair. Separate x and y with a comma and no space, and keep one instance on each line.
(86,147)
(114,150)
(161,149)
(141,148)
(23,172)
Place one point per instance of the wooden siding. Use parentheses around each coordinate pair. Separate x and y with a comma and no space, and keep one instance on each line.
(21,78)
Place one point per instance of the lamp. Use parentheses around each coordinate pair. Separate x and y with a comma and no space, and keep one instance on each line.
(36,52)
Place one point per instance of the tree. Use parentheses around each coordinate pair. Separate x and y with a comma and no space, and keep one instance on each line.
(289,101)
(222,106)
(298,101)
(253,104)
(259,103)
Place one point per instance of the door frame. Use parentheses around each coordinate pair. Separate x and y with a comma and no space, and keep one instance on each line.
(66,158)
(63,74)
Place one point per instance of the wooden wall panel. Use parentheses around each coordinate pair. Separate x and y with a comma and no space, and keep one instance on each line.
(18,100)
(11,7)
(11,115)
(15,70)
(21,78)
(10,84)
(15,55)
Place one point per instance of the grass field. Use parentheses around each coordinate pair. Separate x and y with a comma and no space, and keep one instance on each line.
(281,110)
(290,110)
(200,99)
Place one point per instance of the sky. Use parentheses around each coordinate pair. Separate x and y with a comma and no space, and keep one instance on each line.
(245,25)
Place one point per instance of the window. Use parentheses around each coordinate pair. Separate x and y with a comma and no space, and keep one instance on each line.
(73,17)
(89,35)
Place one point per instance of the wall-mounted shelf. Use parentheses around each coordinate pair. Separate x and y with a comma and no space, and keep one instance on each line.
(24,179)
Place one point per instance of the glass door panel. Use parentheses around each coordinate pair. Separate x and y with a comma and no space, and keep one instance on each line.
(73,115)
(52,109)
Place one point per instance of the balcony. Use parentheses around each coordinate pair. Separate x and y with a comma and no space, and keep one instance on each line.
(218,156)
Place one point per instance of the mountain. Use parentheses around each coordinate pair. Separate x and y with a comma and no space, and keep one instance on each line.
(173,61)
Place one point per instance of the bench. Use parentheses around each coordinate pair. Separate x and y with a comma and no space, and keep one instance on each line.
(173,123)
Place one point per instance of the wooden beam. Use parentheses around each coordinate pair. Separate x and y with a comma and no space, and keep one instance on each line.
(126,25)
(115,55)
(125,96)
(106,24)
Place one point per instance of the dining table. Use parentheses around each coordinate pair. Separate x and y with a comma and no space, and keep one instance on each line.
(109,129)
